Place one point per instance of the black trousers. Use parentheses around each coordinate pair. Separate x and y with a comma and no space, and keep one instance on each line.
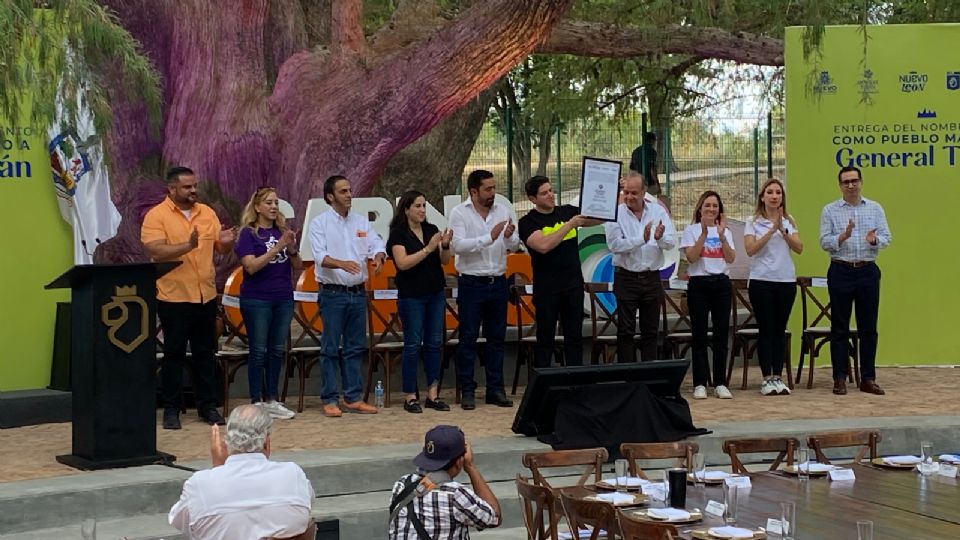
(184,322)
(772,302)
(709,296)
(847,286)
(567,306)
(643,292)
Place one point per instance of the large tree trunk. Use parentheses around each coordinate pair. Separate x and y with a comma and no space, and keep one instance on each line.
(250,100)
(344,110)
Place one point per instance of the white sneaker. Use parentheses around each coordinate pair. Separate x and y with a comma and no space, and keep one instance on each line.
(700,392)
(722,392)
(782,389)
(277,410)
(769,387)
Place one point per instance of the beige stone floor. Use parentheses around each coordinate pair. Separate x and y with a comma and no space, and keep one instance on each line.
(28,452)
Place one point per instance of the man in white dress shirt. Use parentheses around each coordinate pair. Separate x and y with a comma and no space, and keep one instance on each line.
(637,239)
(483,232)
(244,495)
(342,241)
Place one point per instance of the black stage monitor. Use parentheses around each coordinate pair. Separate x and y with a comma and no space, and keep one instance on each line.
(548,386)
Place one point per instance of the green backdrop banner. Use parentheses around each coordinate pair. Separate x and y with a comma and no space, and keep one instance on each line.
(886,100)
(40,248)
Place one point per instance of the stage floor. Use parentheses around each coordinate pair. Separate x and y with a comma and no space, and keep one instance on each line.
(28,452)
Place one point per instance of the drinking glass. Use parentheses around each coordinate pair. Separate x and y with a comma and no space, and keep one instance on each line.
(864,530)
(803,464)
(666,488)
(699,469)
(88,529)
(788,520)
(927,466)
(620,468)
(730,502)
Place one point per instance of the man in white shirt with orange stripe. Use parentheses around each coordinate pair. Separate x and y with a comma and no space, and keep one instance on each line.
(483,233)
(342,241)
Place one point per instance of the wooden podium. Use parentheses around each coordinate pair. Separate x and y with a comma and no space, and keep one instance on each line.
(114,364)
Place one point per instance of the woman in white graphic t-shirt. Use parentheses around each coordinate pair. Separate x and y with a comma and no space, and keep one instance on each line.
(708,246)
(769,237)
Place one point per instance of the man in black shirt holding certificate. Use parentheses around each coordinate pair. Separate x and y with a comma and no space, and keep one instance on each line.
(550,234)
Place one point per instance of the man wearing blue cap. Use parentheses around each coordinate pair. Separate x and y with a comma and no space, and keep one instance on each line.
(430,504)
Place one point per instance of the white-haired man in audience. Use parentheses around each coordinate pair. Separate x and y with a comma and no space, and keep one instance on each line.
(244,495)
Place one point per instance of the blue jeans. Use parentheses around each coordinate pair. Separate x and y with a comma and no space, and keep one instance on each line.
(481,300)
(344,316)
(422,320)
(268,326)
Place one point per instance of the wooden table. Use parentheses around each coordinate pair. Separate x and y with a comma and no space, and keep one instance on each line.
(902,504)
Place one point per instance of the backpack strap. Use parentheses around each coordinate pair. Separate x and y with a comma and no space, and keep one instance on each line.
(404,499)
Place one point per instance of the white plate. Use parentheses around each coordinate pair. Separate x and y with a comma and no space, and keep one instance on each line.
(630,481)
(730,532)
(902,460)
(668,514)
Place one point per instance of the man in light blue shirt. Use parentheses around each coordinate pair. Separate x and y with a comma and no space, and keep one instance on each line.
(852,231)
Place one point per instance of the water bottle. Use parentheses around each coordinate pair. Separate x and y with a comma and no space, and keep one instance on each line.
(378,393)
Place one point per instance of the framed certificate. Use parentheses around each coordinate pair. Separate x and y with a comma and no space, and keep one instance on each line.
(600,188)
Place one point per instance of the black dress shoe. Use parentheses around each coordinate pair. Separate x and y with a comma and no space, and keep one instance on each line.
(171,419)
(499,399)
(212,416)
(436,405)
(468,402)
(412,406)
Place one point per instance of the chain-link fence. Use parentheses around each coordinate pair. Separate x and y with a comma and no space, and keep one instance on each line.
(731,156)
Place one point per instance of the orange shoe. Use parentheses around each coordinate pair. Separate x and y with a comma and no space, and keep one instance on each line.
(332,410)
(361,407)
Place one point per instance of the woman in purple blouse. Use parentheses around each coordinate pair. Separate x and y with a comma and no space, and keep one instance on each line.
(268,253)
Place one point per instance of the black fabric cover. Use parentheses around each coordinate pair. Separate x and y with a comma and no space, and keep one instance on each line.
(609,414)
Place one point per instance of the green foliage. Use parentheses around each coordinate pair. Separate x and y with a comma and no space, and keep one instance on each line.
(65,44)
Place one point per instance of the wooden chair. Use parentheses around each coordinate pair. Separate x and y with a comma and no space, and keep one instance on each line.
(816,329)
(385,338)
(539,508)
(865,439)
(633,529)
(521,292)
(310,533)
(675,322)
(602,516)
(304,350)
(747,332)
(603,320)
(682,451)
(737,447)
(592,458)
(234,352)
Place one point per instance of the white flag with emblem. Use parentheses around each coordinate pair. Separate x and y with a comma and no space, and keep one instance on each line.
(81,180)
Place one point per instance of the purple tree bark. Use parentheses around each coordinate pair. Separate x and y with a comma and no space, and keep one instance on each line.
(340,110)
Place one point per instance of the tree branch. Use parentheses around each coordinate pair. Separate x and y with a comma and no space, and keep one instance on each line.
(346,26)
(597,39)
(453,64)
(411,21)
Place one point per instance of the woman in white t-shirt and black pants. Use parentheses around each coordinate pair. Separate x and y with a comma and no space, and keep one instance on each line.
(768,238)
(708,245)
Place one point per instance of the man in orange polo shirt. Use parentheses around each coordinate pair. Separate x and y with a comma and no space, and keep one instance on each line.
(182,229)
